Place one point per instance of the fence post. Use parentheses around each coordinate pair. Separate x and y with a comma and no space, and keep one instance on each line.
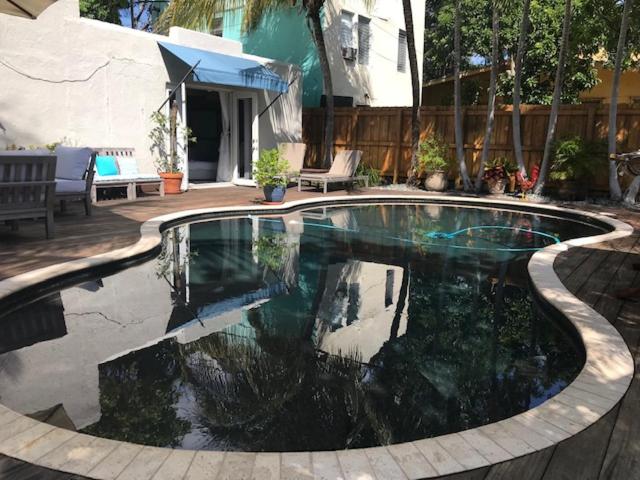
(396,166)
(354,129)
(591,121)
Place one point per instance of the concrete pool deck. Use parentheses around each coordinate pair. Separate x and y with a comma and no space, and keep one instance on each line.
(596,392)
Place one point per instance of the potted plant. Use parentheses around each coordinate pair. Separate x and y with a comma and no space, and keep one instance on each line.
(575,164)
(432,161)
(497,174)
(270,173)
(164,142)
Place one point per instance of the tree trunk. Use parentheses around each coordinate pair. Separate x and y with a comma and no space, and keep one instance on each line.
(457,93)
(517,88)
(132,13)
(315,24)
(632,192)
(557,97)
(493,80)
(415,86)
(614,186)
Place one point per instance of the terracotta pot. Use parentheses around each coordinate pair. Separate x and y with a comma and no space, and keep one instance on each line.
(512,183)
(497,185)
(436,181)
(172,182)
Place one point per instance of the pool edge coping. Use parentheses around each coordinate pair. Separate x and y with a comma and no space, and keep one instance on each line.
(602,383)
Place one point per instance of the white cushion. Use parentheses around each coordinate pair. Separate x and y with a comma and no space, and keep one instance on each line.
(125,178)
(128,166)
(70,186)
(72,162)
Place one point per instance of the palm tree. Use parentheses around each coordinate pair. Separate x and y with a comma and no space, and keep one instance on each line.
(415,86)
(614,186)
(202,14)
(457,93)
(491,106)
(517,87)
(557,95)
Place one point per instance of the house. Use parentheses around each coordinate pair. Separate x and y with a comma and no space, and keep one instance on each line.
(86,82)
(367,49)
(475,86)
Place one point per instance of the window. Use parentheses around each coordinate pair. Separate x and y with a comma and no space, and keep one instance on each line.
(347,42)
(402,51)
(364,40)
(217,27)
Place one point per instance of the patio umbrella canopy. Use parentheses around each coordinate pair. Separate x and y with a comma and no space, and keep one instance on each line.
(25,8)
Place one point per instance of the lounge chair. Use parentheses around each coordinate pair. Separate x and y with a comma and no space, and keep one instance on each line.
(74,175)
(343,170)
(294,154)
(124,175)
(27,187)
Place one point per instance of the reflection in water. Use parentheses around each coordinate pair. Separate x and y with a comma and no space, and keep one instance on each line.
(325,329)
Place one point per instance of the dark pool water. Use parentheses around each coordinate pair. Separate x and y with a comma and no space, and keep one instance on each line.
(330,328)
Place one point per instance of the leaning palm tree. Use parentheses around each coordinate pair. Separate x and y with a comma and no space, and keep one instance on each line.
(557,96)
(493,80)
(614,186)
(517,87)
(457,93)
(415,87)
(202,14)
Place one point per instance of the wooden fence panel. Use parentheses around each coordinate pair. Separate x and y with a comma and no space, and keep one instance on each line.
(384,134)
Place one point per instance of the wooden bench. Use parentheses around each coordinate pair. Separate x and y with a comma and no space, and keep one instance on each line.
(27,188)
(130,182)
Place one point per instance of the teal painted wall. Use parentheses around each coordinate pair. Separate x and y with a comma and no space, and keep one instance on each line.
(283,36)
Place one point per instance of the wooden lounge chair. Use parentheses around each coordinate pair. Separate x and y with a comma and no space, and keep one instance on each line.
(128,176)
(343,170)
(294,154)
(74,176)
(27,187)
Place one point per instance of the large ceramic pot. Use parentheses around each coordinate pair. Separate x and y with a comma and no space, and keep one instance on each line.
(172,182)
(274,194)
(436,181)
(497,185)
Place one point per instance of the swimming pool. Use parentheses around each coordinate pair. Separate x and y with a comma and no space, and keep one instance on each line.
(319,329)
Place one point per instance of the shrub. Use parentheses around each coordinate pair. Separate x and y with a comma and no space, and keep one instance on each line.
(271,169)
(375,175)
(432,155)
(575,159)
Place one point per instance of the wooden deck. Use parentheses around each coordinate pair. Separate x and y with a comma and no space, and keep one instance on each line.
(610,449)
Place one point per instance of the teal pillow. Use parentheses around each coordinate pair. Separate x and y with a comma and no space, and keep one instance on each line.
(106,165)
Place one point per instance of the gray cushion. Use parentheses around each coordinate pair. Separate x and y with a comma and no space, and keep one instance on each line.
(70,186)
(72,162)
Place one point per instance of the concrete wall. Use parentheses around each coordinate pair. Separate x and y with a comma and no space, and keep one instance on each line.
(284,35)
(86,82)
(629,87)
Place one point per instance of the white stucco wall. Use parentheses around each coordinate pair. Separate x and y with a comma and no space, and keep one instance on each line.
(379,79)
(91,83)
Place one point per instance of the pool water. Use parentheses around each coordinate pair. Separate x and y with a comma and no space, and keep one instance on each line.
(328,328)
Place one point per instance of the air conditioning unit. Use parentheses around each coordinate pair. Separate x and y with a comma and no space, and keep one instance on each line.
(349,53)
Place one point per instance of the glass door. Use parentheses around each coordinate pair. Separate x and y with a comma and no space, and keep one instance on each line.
(245,137)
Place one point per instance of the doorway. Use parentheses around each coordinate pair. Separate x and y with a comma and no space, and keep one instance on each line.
(204,118)
(245,137)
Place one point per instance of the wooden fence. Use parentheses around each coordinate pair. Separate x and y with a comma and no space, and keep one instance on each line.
(384,134)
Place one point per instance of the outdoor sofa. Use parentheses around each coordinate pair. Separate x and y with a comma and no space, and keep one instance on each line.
(74,175)
(343,170)
(118,167)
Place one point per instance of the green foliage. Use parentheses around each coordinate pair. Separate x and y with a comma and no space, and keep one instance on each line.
(271,169)
(575,159)
(166,160)
(499,168)
(103,10)
(270,250)
(375,175)
(432,155)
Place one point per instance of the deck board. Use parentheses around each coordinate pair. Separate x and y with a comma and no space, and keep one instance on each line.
(610,449)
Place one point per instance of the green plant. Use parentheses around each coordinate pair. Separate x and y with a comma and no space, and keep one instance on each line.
(432,156)
(270,251)
(375,175)
(499,168)
(160,135)
(271,169)
(575,159)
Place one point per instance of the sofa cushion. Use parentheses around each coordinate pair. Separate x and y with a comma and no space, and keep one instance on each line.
(25,153)
(128,166)
(106,165)
(70,186)
(72,162)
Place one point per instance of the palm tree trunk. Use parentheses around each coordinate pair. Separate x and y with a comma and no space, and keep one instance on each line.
(493,80)
(517,88)
(632,192)
(614,186)
(315,24)
(557,96)
(457,93)
(415,86)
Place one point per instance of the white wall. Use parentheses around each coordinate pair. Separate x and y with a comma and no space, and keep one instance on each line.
(96,84)
(380,79)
